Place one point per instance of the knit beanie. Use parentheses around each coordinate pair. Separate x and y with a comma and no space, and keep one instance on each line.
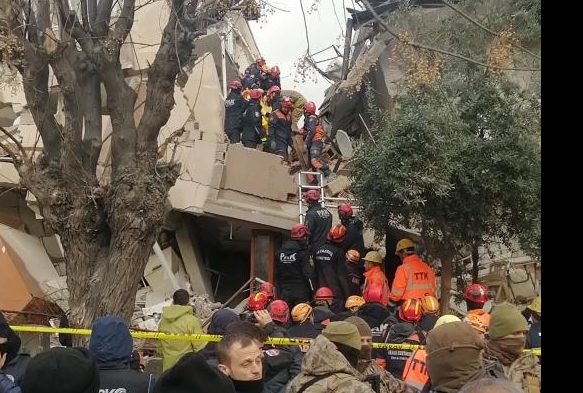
(361,325)
(342,332)
(446,319)
(63,370)
(192,374)
(220,319)
(506,319)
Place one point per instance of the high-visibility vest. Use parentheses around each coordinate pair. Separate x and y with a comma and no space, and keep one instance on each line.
(413,280)
(415,371)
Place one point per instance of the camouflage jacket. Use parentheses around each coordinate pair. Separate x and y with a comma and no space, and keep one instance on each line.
(389,384)
(524,372)
(323,358)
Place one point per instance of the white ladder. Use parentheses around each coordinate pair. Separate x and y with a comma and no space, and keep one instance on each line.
(302,187)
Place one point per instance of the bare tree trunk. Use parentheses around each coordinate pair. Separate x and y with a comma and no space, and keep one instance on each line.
(446,274)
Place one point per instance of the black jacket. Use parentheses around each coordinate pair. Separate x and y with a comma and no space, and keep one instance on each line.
(252,129)
(331,269)
(294,272)
(319,221)
(235,105)
(353,240)
(16,367)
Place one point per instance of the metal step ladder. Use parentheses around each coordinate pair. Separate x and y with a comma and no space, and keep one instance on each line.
(302,187)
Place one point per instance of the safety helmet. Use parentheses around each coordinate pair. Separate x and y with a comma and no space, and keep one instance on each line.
(299,231)
(403,244)
(475,321)
(260,61)
(268,289)
(235,85)
(301,312)
(309,108)
(255,94)
(274,71)
(323,293)
(374,293)
(312,195)
(374,257)
(353,301)
(336,233)
(257,301)
(476,293)
(535,305)
(352,256)
(411,310)
(278,310)
(273,89)
(287,103)
(430,304)
(345,210)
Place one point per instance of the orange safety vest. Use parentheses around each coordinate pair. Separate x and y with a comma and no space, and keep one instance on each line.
(415,371)
(376,276)
(483,315)
(413,280)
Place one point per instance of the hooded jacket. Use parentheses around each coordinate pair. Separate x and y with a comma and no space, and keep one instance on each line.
(16,362)
(111,345)
(293,272)
(178,319)
(323,358)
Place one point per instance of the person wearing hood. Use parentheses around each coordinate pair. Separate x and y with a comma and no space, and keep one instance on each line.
(111,345)
(330,363)
(178,318)
(15,363)
(220,319)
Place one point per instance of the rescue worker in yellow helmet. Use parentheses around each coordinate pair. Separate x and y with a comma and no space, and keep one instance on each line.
(430,306)
(302,316)
(374,276)
(414,278)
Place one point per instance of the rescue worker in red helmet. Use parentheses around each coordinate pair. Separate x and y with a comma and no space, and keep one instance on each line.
(318,220)
(235,105)
(323,298)
(313,135)
(273,97)
(354,227)
(476,296)
(279,135)
(252,76)
(271,78)
(269,289)
(331,269)
(377,317)
(279,312)
(252,130)
(295,275)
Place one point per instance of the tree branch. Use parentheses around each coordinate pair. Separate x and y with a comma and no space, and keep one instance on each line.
(90,83)
(92,11)
(125,21)
(101,25)
(84,17)
(16,142)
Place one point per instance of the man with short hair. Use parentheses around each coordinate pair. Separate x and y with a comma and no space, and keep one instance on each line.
(178,318)
(241,359)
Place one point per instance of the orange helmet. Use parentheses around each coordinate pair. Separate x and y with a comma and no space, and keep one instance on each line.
(257,301)
(268,289)
(374,293)
(476,293)
(323,293)
(430,304)
(287,103)
(274,71)
(309,108)
(301,312)
(279,311)
(235,85)
(352,256)
(345,210)
(411,310)
(272,90)
(353,301)
(475,321)
(255,94)
(337,233)
(312,195)
(299,231)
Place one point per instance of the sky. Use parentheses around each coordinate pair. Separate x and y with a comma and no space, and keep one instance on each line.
(281,39)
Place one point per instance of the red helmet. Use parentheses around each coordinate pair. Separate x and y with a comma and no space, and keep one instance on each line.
(279,311)
(273,89)
(235,85)
(323,293)
(287,103)
(274,71)
(255,94)
(312,195)
(476,293)
(345,210)
(374,293)
(337,233)
(260,61)
(309,108)
(299,231)
(257,301)
(411,310)
(268,289)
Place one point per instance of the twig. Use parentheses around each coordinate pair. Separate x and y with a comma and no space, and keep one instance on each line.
(16,142)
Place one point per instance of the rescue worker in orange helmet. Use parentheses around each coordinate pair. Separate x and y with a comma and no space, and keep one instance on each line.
(413,278)
(331,268)
(279,135)
(302,316)
(313,135)
(235,105)
(351,306)
(355,268)
(373,275)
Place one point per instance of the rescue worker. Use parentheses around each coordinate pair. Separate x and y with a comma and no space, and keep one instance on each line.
(355,269)
(235,105)
(279,135)
(377,316)
(331,267)
(505,344)
(273,97)
(279,312)
(255,302)
(252,130)
(268,288)
(252,76)
(318,220)
(323,298)
(354,227)
(312,134)
(476,296)
(413,278)
(405,331)
(295,275)
(533,339)
(351,306)
(430,306)
(302,325)
(297,111)
(271,78)
(476,322)
(373,275)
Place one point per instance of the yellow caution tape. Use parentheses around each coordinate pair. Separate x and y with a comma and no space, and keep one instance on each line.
(212,337)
